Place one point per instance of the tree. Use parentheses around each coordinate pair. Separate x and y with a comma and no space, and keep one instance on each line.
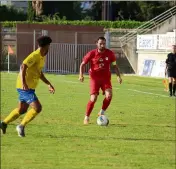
(30,13)
(129,10)
(11,14)
(70,9)
(95,12)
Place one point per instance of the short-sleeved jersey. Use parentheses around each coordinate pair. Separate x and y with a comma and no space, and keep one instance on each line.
(35,63)
(99,62)
(171,61)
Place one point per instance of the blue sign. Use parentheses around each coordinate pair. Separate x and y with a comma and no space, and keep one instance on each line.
(148,66)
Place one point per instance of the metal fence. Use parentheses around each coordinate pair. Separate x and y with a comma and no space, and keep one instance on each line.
(66,51)
(21,44)
(66,58)
(63,58)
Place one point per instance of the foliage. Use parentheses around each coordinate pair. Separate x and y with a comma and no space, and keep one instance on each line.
(30,14)
(9,13)
(105,24)
(129,10)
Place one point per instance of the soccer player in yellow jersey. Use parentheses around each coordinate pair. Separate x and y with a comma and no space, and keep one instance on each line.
(27,81)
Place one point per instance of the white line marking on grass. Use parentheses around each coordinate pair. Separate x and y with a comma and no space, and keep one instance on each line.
(138,91)
(149,93)
(68,81)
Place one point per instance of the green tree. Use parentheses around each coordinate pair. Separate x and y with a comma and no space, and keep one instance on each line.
(129,10)
(70,9)
(95,12)
(30,13)
(9,13)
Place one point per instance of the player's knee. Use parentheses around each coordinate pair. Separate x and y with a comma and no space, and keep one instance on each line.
(174,80)
(38,108)
(170,79)
(109,96)
(93,98)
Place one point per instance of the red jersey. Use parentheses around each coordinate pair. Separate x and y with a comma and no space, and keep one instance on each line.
(99,62)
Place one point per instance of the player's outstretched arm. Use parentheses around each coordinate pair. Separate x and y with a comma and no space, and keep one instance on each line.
(116,69)
(81,71)
(45,80)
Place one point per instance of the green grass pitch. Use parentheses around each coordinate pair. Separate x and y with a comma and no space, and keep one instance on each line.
(141,133)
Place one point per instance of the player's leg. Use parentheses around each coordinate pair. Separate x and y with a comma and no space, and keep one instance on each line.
(170,75)
(107,90)
(36,108)
(106,101)
(22,108)
(174,86)
(94,91)
(90,106)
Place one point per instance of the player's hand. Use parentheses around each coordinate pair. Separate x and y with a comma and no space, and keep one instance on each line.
(120,80)
(51,89)
(25,86)
(81,78)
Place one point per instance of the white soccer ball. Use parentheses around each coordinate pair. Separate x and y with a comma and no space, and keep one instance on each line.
(102,120)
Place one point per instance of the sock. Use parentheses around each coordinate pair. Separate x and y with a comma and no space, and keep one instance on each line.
(174,88)
(102,112)
(86,118)
(170,88)
(12,116)
(106,103)
(90,106)
(30,115)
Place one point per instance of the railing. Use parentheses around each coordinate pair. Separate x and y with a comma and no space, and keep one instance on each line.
(148,26)
(64,58)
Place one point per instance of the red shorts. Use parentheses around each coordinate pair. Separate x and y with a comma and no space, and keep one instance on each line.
(97,83)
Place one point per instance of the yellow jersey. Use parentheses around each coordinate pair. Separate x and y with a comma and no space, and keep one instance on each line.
(35,63)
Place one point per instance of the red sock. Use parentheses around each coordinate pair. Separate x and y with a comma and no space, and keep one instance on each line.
(90,106)
(106,103)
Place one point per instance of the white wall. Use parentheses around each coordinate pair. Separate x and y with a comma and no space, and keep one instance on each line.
(157,62)
(152,51)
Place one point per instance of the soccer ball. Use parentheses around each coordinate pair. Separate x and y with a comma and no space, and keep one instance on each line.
(102,120)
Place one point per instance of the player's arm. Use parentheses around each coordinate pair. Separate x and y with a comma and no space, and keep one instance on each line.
(46,81)
(86,59)
(166,68)
(115,67)
(27,63)
(81,71)
(23,69)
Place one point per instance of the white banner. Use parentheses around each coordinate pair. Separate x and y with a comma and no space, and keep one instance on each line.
(156,41)
(158,69)
(153,68)
(166,40)
(147,41)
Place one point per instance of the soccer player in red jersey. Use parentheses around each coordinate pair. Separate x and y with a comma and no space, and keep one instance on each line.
(100,60)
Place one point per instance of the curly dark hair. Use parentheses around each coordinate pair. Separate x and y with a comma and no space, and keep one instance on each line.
(44,40)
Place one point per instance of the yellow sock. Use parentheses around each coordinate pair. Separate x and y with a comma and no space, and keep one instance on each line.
(12,116)
(30,115)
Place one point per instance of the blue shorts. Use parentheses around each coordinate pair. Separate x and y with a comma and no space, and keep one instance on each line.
(27,96)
